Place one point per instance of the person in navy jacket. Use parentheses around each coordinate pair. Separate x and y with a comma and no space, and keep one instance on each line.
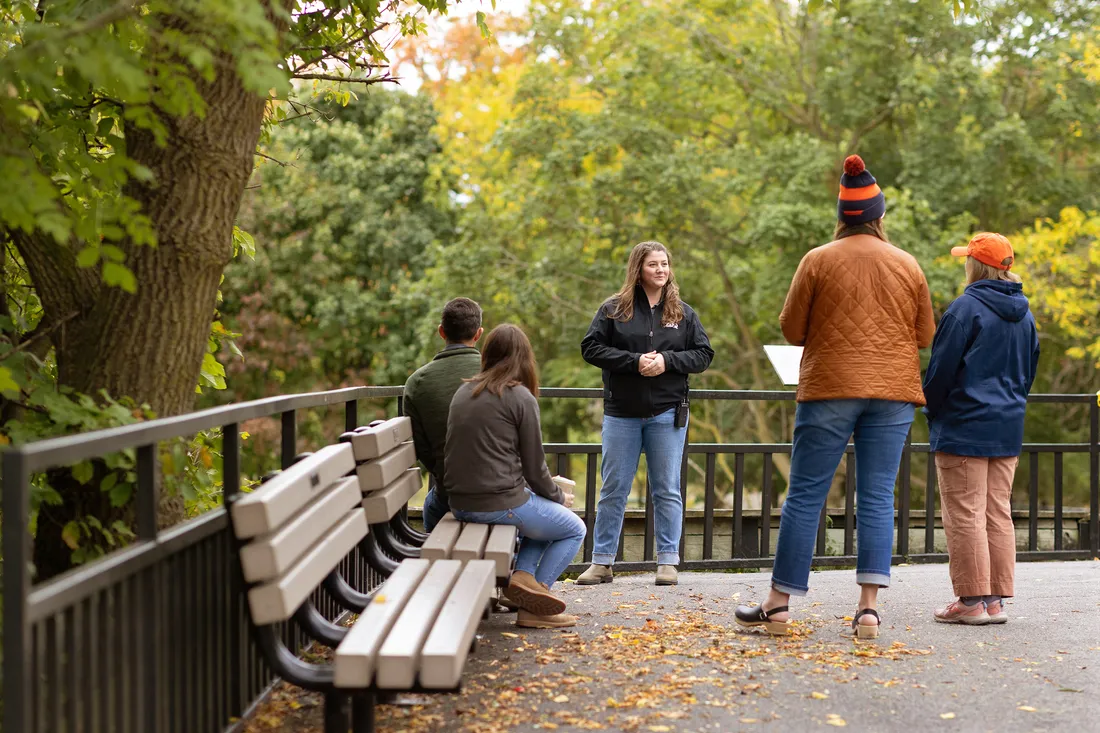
(983,364)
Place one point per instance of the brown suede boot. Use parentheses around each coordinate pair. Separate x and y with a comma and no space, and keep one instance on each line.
(529,595)
(529,620)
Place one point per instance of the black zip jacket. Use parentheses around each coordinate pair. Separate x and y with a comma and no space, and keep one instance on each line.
(616,346)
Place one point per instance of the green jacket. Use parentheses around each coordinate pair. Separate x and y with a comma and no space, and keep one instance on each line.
(428,394)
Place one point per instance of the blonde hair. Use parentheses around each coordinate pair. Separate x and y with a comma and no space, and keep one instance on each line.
(976,271)
(622,302)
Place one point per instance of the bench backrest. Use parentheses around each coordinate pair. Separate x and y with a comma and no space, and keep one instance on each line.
(300,524)
(385,466)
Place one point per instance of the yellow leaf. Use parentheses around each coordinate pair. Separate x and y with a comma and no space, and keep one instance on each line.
(561,698)
(819,695)
(1027,709)
(660,728)
(836,721)
(750,720)
(509,635)
(947,716)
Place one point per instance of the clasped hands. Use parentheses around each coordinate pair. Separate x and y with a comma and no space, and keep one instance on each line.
(651,364)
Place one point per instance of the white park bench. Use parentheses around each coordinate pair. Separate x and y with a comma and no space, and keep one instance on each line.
(413,633)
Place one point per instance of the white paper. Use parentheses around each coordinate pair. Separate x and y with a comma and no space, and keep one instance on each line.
(786,360)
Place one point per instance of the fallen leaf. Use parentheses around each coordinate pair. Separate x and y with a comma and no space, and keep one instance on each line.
(750,720)
(561,698)
(509,635)
(659,728)
(837,721)
(1027,709)
(819,695)
(947,716)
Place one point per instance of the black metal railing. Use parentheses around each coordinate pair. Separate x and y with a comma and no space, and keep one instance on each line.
(153,636)
(753,532)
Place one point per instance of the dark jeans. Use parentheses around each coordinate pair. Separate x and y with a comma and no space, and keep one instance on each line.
(435,507)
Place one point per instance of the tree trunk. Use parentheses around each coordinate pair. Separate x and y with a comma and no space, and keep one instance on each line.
(149,345)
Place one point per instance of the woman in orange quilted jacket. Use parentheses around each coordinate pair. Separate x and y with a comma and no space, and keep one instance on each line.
(861,308)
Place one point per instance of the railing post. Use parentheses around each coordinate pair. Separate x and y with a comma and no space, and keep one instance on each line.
(148,618)
(17,585)
(231,486)
(289,440)
(589,503)
(147,499)
(1094,477)
(351,415)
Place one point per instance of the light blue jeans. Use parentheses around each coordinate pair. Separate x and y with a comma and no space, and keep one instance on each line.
(624,439)
(550,535)
(821,432)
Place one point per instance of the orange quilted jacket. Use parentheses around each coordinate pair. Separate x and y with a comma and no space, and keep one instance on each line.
(861,308)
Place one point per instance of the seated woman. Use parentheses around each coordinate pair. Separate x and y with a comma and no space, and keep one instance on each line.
(495,473)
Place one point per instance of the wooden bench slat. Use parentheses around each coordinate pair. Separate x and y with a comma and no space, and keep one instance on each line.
(501,547)
(356,655)
(277,600)
(377,474)
(448,645)
(268,507)
(442,540)
(268,556)
(399,658)
(381,506)
(381,439)
(471,542)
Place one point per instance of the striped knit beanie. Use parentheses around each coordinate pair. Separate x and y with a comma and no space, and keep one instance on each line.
(861,199)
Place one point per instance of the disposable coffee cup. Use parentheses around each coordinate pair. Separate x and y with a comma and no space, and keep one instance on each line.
(566,485)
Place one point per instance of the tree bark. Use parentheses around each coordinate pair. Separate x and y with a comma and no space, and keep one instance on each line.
(149,345)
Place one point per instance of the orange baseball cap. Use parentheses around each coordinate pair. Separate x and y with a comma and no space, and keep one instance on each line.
(989,248)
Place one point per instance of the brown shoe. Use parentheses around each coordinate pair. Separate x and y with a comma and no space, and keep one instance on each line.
(529,595)
(666,575)
(596,574)
(529,620)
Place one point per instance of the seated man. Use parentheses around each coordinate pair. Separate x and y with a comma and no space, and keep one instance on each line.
(428,394)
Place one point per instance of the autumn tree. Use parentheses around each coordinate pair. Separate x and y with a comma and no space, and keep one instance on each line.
(132,129)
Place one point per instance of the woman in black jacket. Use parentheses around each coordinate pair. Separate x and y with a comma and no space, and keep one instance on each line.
(647,341)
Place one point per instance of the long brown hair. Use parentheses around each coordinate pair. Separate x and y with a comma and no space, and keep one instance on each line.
(507,360)
(875,228)
(622,302)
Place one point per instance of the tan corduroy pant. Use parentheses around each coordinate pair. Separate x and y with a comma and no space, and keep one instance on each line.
(976,499)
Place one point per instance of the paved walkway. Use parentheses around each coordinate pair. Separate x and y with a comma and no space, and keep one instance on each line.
(654,659)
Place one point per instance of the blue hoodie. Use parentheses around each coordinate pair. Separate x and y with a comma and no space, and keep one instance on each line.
(983,363)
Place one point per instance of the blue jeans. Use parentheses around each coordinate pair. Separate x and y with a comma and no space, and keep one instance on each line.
(550,535)
(624,439)
(821,432)
(435,507)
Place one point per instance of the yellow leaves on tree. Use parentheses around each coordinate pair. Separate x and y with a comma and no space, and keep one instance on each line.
(1060,264)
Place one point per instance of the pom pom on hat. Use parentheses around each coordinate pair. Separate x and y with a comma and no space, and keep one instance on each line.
(853,165)
(860,199)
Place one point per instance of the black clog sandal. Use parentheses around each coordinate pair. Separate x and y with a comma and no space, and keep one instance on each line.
(866,631)
(752,616)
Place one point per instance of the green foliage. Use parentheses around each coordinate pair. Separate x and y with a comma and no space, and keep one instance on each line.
(719,128)
(345,230)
